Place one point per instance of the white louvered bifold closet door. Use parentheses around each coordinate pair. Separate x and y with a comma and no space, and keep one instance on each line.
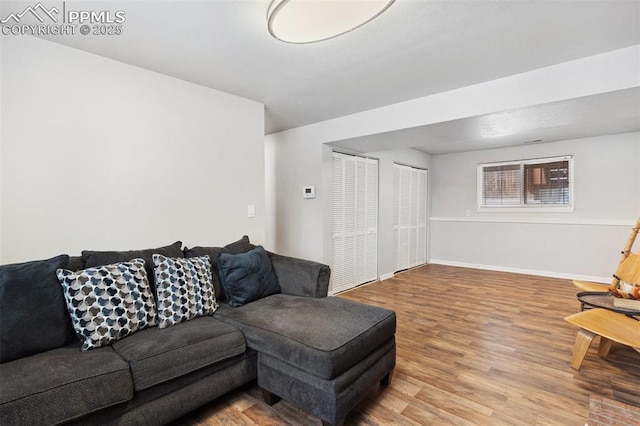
(410,217)
(354,221)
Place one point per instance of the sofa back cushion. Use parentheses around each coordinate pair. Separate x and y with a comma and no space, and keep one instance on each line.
(33,312)
(243,245)
(100,258)
(75,263)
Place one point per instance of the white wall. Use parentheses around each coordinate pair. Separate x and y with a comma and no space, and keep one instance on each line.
(295,224)
(585,243)
(302,227)
(298,157)
(97,154)
(386,202)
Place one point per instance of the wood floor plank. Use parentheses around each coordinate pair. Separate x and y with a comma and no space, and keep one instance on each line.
(473,347)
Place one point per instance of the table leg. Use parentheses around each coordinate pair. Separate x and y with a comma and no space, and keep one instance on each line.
(583,341)
(605,347)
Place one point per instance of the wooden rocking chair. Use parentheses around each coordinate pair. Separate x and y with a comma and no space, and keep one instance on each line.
(610,326)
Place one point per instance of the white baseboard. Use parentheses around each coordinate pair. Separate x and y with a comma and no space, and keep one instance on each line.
(386,276)
(595,279)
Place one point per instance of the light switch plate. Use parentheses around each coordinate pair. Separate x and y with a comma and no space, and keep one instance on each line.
(251,210)
(309,192)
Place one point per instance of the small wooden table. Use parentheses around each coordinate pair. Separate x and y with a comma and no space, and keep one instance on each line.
(596,299)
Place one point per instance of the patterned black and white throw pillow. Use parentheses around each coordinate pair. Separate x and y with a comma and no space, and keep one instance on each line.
(109,302)
(184,289)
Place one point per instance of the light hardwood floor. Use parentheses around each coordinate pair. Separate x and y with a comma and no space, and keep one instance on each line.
(473,348)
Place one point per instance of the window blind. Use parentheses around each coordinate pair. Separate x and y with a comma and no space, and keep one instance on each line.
(526,183)
(501,185)
(546,183)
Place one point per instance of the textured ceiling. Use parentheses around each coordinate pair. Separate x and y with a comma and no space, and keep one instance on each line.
(608,113)
(415,49)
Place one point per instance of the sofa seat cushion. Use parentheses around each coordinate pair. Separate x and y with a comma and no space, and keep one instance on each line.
(62,384)
(158,355)
(324,337)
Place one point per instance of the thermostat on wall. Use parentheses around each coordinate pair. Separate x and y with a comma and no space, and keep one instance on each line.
(309,192)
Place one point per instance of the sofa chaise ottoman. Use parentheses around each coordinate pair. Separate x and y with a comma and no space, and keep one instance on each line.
(321,354)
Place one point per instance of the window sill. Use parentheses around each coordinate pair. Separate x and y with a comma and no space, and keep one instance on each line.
(527,209)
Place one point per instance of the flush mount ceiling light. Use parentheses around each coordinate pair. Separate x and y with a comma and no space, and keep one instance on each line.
(310,21)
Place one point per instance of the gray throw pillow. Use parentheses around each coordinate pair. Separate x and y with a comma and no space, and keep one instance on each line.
(246,277)
(33,313)
(243,245)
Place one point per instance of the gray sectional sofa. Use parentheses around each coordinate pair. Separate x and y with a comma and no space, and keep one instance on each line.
(322,354)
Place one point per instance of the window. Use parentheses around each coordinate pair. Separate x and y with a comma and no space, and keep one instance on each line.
(540,183)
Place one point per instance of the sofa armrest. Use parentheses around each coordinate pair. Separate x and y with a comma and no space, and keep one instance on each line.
(299,277)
